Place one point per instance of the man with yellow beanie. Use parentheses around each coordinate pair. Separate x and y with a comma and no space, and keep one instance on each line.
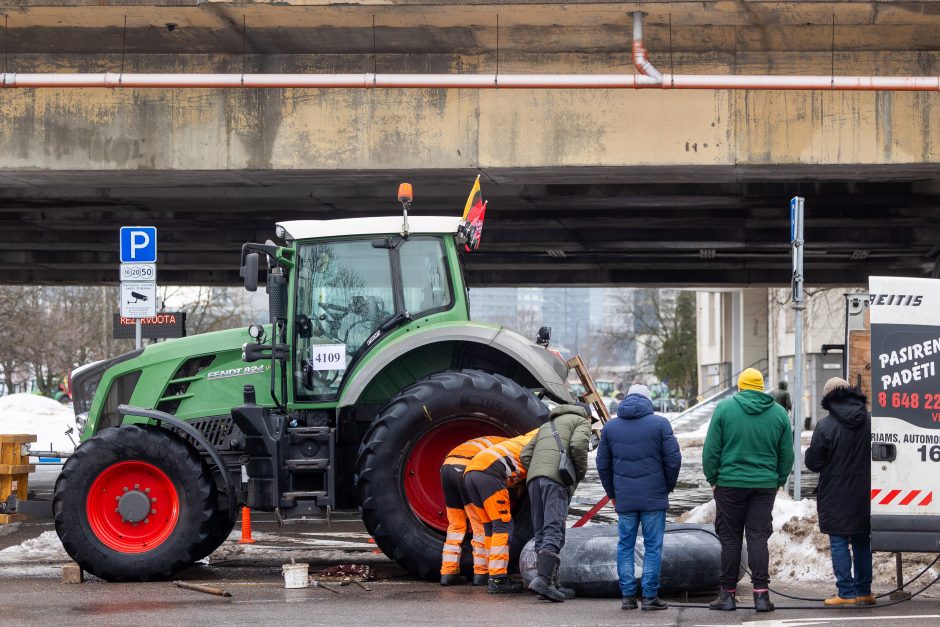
(748,455)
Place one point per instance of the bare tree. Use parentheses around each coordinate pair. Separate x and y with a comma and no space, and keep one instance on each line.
(48,331)
(664,331)
(208,308)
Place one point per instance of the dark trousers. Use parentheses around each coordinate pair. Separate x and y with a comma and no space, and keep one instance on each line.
(747,511)
(549,502)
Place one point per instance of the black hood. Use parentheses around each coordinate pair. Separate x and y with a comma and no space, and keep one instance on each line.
(847,405)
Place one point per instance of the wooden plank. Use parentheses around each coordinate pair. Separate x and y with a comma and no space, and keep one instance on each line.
(591,394)
(16,469)
(9,455)
(860,358)
(17,438)
(10,518)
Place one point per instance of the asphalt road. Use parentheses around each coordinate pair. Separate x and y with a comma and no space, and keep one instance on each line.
(259,598)
(31,592)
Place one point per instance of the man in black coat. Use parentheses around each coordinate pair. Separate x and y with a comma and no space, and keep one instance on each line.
(840,452)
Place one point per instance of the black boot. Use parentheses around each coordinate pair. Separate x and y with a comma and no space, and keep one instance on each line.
(628,603)
(762,602)
(546,565)
(724,602)
(654,604)
(453,580)
(568,592)
(480,580)
(502,585)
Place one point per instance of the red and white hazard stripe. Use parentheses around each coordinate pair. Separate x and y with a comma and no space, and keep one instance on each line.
(907,497)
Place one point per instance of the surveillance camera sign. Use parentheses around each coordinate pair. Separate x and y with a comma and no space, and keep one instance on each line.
(138,299)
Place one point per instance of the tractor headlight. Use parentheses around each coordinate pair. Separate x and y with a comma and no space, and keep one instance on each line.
(80,421)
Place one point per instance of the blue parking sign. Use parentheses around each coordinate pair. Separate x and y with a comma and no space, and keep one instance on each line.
(138,244)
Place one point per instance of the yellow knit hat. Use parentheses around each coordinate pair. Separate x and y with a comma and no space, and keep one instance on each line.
(751,379)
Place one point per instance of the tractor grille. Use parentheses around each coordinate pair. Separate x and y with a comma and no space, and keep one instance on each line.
(177,390)
(215,429)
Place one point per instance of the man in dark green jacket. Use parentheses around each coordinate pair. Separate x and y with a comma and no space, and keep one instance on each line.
(568,429)
(748,455)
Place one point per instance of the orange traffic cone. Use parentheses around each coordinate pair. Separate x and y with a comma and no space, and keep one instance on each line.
(246,527)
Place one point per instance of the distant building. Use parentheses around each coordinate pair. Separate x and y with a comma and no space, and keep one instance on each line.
(754,327)
(589,321)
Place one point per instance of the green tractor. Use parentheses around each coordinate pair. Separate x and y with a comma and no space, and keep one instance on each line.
(368,372)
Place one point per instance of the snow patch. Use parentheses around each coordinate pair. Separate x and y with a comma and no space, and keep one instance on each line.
(703,514)
(43,417)
(694,437)
(798,551)
(46,548)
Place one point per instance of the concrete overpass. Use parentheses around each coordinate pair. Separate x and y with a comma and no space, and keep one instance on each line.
(586,187)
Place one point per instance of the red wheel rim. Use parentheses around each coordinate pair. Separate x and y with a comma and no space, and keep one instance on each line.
(422,472)
(132,486)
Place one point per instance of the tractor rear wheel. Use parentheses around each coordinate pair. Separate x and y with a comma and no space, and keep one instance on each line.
(398,471)
(134,503)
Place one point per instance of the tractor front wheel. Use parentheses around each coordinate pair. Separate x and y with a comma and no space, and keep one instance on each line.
(398,472)
(134,503)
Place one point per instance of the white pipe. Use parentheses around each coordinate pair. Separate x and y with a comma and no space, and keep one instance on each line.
(329,81)
(648,77)
(640,56)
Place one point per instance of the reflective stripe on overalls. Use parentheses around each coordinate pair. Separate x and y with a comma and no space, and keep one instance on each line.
(455,502)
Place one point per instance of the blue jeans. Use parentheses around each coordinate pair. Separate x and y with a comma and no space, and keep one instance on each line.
(654,526)
(851,586)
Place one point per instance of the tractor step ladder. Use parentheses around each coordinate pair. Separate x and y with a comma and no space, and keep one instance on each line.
(308,494)
(14,468)
(592,397)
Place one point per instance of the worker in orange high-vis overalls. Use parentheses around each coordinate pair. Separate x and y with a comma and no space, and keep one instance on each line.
(455,500)
(487,479)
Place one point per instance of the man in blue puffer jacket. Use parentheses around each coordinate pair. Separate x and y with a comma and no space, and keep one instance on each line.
(638,461)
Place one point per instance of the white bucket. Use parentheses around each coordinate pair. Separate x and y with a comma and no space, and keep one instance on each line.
(296,575)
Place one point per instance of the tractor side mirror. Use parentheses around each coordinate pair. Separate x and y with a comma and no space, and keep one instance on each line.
(249,272)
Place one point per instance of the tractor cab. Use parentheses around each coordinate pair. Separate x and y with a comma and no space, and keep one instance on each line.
(350,291)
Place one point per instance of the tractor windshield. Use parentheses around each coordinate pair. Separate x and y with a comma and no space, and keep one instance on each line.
(349,293)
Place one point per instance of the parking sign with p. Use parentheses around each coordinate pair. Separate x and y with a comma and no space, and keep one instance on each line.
(138,244)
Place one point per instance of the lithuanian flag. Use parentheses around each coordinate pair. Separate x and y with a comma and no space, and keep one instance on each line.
(474,201)
(471,227)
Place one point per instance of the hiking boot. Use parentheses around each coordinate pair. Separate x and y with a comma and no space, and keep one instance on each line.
(724,602)
(502,585)
(568,592)
(453,580)
(546,565)
(866,599)
(762,602)
(837,600)
(480,580)
(654,604)
(628,603)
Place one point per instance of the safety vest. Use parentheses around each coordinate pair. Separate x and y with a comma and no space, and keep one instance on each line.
(503,459)
(462,454)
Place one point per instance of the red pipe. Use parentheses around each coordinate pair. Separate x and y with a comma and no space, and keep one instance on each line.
(647,77)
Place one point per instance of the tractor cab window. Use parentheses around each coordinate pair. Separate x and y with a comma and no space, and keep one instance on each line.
(424,276)
(350,293)
(344,294)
